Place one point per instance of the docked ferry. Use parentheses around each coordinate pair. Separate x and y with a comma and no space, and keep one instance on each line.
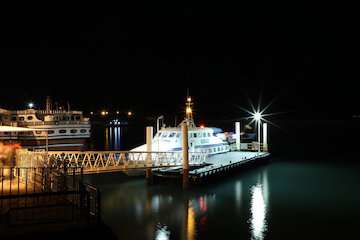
(57,128)
(201,139)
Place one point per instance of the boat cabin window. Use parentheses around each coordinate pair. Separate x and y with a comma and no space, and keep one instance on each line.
(21,118)
(38,132)
(73,131)
(195,135)
(77,117)
(51,132)
(62,131)
(171,134)
(13,118)
(83,130)
(164,135)
(30,118)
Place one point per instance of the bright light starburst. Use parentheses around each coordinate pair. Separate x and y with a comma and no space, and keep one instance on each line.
(258,114)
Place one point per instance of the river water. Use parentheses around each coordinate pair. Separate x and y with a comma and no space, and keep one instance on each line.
(306,192)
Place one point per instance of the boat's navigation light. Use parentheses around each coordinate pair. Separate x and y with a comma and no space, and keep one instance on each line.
(189,99)
(129,113)
(202,126)
(188,110)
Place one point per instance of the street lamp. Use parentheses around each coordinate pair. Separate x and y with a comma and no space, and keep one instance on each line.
(257,117)
(158,128)
(158,123)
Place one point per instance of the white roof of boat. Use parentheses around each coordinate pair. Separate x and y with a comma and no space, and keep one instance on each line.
(178,129)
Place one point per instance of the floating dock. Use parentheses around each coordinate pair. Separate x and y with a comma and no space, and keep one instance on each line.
(214,165)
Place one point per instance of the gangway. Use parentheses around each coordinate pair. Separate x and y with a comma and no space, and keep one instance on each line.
(106,161)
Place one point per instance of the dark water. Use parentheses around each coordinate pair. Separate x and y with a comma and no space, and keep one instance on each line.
(309,190)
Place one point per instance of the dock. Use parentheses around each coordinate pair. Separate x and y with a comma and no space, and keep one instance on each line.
(214,165)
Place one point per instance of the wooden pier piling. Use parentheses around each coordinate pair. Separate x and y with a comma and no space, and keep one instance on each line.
(149,136)
(185,155)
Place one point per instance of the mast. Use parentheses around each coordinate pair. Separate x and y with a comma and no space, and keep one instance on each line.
(48,104)
(188,111)
(189,120)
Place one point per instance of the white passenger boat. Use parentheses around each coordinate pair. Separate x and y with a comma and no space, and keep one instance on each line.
(201,139)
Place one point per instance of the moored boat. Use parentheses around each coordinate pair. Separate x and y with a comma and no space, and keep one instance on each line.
(59,129)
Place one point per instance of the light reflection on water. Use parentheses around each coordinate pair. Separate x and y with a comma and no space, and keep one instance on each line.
(166,212)
(259,206)
(112,138)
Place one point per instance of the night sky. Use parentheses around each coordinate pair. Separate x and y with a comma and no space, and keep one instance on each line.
(144,58)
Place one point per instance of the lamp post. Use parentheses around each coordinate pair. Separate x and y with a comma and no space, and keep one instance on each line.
(158,123)
(257,117)
(157,131)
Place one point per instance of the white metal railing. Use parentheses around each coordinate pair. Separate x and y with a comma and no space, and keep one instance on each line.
(106,160)
(41,123)
(254,146)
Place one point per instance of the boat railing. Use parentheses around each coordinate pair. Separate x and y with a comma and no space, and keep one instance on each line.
(42,123)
